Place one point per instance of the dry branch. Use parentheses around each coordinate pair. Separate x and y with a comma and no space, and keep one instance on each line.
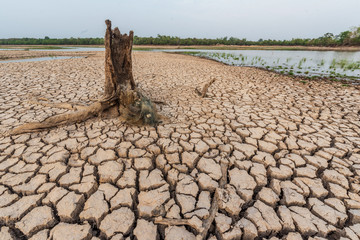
(205,88)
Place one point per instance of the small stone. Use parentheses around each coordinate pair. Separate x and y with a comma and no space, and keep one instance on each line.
(37,219)
(120,220)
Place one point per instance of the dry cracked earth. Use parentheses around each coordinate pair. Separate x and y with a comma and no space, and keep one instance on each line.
(291,152)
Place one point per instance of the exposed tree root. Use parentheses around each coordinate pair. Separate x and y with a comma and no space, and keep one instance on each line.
(68,106)
(66,118)
(205,88)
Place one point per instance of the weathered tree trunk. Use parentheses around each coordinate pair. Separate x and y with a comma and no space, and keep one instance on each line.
(118,63)
(119,90)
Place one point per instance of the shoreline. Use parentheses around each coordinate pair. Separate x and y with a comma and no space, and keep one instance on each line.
(214,47)
(329,80)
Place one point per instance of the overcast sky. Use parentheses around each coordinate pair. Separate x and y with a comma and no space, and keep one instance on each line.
(251,19)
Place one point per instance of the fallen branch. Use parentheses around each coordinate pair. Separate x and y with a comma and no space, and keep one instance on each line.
(205,88)
(193,222)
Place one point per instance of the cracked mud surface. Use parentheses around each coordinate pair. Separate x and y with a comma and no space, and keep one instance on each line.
(293,155)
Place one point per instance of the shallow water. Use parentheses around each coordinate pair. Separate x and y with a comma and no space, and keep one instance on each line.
(336,64)
(38,59)
(332,64)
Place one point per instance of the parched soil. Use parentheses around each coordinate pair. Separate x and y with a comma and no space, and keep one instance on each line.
(291,152)
(19,54)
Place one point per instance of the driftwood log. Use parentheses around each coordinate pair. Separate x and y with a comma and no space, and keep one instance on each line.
(121,98)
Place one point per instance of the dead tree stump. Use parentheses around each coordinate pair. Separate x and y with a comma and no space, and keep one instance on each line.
(120,94)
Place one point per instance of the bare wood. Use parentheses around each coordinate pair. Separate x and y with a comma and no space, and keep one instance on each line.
(193,222)
(205,88)
(61,119)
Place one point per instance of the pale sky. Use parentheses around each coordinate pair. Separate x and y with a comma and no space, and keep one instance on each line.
(251,19)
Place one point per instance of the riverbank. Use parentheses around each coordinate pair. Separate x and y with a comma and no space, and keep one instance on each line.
(291,153)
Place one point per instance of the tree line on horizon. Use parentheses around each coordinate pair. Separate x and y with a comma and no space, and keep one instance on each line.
(346,38)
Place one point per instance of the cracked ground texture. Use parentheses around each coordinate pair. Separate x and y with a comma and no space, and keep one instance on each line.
(292,151)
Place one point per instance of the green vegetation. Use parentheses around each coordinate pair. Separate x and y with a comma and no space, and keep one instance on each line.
(346,38)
